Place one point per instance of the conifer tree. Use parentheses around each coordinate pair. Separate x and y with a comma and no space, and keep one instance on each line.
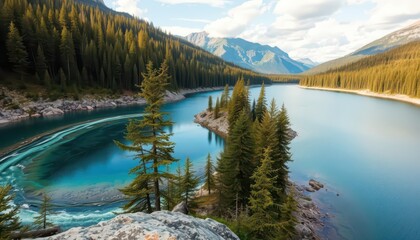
(288,219)
(150,142)
(9,221)
(217,109)
(210,106)
(209,175)
(41,64)
(44,210)
(224,99)
(262,203)
(261,105)
(238,102)
(18,56)
(237,165)
(284,139)
(189,182)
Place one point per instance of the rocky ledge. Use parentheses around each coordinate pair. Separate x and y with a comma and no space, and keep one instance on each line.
(157,225)
(15,106)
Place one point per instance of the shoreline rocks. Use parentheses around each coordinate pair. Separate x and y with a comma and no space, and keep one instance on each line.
(15,107)
(157,225)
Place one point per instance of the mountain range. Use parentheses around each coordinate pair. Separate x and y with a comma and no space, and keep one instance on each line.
(254,56)
(392,40)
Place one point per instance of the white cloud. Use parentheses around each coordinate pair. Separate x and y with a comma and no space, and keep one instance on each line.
(304,9)
(192,20)
(130,6)
(394,12)
(237,19)
(213,3)
(180,31)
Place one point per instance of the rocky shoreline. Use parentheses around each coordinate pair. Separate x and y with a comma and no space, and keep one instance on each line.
(309,217)
(14,106)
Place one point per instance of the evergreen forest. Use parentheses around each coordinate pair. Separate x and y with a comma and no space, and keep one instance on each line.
(70,45)
(396,71)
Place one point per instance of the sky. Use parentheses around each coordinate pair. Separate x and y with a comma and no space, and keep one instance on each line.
(320,30)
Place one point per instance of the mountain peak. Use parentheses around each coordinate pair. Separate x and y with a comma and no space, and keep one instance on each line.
(250,55)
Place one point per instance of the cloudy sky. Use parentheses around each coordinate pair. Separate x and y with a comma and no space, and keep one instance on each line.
(317,29)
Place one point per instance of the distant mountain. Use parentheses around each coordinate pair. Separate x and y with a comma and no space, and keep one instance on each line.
(254,56)
(392,40)
(308,62)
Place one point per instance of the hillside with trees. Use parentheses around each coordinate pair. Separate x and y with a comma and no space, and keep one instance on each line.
(393,72)
(65,46)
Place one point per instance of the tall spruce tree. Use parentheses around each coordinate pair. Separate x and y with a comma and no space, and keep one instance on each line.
(18,56)
(264,208)
(238,103)
(150,142)
(284,139)
(9,221)
(210,106)
(224,99)
(217,109)
(261,105)
(236,165)
(189,182)
(288,219)
(209,175)
(44,211)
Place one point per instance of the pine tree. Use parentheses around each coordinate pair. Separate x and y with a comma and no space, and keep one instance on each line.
(238,102)
(18,56)
(40,63)
(261,105)
(189,182)
(209,175)
(237,165)
(150,142)
(67,52)
(288,219)
(44,211)
(224,99)
(284,139)
(210,106)
(217,109)
(262,203)
(9,221)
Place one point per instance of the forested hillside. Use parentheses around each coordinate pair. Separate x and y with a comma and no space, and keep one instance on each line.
(67,45)
(395,72)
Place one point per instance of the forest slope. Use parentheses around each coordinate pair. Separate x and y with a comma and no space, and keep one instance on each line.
(66,46)
(396,71)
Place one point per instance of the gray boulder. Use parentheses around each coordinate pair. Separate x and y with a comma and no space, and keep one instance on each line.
(157,225)
(181,208)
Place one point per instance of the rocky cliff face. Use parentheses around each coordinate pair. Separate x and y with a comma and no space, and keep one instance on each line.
(158,225)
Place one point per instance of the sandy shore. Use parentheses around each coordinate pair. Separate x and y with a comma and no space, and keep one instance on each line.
(366,92)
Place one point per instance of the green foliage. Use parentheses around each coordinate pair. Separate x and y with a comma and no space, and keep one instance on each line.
(288,219)
(217,109)
(209,183)
(44,211)
(210,106)
(262,203)
(236,165)
(261,106)
(18,56)
(9,221)
(100,48)
(393,72)
(224,99)
(150,143)
(238,103)
(284,139)
(189,182)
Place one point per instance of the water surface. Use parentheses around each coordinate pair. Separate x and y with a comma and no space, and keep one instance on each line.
(366,150)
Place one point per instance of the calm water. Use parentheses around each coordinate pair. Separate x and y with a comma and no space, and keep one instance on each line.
(366,150)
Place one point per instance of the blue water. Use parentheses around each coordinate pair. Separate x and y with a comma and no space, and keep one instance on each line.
(364,149)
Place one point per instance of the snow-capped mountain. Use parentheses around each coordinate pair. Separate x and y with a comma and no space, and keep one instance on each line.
(254,56)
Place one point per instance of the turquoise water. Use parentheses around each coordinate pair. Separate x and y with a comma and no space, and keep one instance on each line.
(366,150)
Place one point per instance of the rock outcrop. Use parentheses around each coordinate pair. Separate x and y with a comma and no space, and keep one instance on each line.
(157,225)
